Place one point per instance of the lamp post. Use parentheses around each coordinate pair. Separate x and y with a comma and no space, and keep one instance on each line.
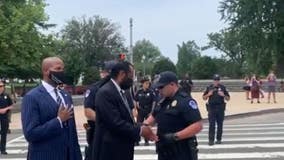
(130,38)
(143,60)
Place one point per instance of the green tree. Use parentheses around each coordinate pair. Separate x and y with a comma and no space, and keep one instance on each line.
(203,68)
(165,64)
(96,38)
(260,24)
(91,75)
(187,53)
(145,54)
(228,42)
(22,46)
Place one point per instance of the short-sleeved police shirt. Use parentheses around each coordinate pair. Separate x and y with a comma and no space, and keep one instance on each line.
(176,113)
(90,95)
(5,101)
(216,99)
(145,97)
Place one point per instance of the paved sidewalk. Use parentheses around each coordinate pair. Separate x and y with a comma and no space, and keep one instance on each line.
(238,105)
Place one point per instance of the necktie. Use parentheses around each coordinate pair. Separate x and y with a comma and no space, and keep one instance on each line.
(58,98)
(126,104)
(59,102)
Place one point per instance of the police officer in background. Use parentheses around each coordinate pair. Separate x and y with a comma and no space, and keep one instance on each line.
(217,94)
(6,104)
(89,103)
(145,102)
(178,119)
(186,84)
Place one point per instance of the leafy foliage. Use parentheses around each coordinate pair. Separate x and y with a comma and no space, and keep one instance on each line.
(187,53)
(96,38)
(165,64)
(258,24)
(151,54)
(203,68)
(22,46)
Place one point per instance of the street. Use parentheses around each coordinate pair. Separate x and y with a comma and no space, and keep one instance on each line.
(258,137)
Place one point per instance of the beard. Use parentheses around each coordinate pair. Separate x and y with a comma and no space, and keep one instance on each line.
(126,84)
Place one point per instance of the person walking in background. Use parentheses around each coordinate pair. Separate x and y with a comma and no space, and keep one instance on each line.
(271,83)
(247,87)
(116,130)
(48,119)
(255,89)
(216,94)
(260,82)
(6,104)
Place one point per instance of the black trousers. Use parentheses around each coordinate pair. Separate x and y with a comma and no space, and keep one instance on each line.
(143,113)
(215,116)
(4,122)
(90,133)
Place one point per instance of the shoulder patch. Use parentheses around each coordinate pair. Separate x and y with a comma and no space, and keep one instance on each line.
(193,104)
(87,93)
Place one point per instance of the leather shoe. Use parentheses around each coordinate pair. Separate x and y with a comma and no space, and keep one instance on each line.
(211,143)
(4,152)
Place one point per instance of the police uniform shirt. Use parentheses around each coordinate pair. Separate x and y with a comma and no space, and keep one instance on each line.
(186,85)
(5,101)
(145,98)
(90,95)
(176,113)
(216,99)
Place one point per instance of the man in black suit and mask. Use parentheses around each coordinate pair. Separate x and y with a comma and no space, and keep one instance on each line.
(116,131)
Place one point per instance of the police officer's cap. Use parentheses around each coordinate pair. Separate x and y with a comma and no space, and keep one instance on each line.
(216,77)
(165,78)
(108,65)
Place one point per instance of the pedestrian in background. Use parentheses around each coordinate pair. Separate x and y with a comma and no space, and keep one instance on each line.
(271,84)
(254,89)
(6,104)
(48,117)
(145,102)
(116,130)
(247,87)
(178,120)
(216,94)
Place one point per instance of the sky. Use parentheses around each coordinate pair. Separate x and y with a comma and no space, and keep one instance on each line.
(166,23)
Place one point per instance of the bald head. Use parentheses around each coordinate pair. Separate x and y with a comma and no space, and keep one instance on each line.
(51,64)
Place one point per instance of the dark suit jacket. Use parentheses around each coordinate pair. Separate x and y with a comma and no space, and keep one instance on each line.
(116,132)
(47,140)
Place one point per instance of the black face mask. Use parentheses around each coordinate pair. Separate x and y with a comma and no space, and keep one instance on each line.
(126,84)
(57,77)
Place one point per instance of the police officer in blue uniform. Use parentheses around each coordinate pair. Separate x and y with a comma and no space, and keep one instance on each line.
(216,94)
(145,101)
(6,104)
(178,120)
(89,104)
